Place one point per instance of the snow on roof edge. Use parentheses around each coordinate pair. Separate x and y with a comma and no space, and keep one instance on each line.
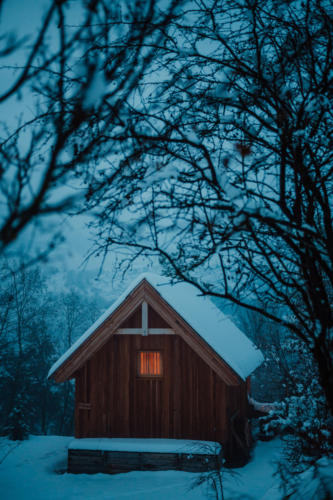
(96,324)
(190,306)
(160,284)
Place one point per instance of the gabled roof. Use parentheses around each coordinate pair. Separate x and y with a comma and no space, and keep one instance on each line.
(193,316)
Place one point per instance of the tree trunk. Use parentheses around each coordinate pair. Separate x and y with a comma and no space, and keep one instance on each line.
(323,359)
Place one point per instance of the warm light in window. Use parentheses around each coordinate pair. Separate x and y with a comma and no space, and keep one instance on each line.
(150,363)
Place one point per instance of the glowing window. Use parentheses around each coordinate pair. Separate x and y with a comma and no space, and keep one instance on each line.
(149,364)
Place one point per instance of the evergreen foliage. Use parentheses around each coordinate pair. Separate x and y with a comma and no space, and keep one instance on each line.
(35,330)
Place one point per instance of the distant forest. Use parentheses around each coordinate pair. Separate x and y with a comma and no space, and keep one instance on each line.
(38,322)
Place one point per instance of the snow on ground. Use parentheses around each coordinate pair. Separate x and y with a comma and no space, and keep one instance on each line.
(32,470)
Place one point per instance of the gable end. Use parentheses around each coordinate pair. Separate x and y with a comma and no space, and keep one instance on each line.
(144,291)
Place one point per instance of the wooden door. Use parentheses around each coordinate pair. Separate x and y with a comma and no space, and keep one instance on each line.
(147,407)
(147,391)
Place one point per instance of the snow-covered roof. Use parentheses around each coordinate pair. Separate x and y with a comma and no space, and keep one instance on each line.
(230,343)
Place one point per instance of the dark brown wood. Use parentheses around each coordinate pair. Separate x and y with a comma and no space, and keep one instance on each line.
(93,461)
(189,401)
(84,406)
(134,320)
(197,343)
(198,396)
(144,292)
(100,336)
(155,320)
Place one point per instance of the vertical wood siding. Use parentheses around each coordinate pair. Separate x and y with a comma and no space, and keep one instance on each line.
(189,401)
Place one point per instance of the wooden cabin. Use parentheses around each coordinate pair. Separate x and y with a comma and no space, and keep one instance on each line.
(162,362)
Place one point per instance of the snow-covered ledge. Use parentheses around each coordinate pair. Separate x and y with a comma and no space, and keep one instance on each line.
(149,445)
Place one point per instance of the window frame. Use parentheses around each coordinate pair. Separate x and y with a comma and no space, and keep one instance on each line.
(138,365)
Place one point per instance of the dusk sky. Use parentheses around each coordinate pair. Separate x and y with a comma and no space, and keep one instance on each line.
(23,19)
(166,235)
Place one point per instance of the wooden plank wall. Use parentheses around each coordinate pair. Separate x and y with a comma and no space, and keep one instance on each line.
(189,401)
(113,462)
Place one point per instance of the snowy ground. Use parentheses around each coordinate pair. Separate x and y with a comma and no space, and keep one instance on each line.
(32,470)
